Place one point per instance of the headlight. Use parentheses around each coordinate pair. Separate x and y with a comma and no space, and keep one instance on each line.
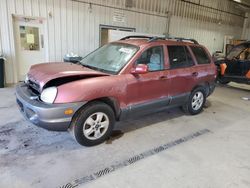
(48,95)
(26,79)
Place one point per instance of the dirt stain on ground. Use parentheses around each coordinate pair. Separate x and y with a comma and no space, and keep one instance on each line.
(6,132)
(207,104)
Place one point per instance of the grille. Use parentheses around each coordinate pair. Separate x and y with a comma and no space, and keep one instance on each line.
(34,87)
(20,104)
(29,113)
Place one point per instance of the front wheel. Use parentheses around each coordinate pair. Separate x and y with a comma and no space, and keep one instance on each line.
(196,101)
(93,124)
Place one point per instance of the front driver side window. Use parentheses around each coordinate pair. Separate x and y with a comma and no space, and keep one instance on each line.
(153,57)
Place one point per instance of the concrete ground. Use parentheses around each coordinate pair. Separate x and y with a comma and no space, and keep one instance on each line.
(219,157)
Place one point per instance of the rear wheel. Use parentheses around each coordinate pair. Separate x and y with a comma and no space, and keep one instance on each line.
(94,124)
(196,101)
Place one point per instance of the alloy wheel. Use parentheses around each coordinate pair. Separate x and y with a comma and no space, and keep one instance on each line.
(96,126)
(197,100)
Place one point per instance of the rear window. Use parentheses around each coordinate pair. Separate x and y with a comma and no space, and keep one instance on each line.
(200,55)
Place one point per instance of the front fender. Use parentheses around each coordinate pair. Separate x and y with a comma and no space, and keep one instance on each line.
(92,89)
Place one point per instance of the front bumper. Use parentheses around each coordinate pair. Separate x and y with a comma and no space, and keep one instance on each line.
(48,116)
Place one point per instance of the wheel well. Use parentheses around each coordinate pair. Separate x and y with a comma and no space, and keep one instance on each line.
(203,85)
(112,102)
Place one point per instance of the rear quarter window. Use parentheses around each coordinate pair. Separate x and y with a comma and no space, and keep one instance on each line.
(200,55)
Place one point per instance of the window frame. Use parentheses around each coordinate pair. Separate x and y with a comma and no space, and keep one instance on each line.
(163,57)
(122,67)
(205,51)
(186,50)
(247,49)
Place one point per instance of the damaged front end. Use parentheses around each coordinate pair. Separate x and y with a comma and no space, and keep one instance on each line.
(49,116)
(36,97)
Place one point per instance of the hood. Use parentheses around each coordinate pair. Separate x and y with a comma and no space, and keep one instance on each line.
(44,73)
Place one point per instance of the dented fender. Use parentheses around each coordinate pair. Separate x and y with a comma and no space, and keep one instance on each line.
(92,89)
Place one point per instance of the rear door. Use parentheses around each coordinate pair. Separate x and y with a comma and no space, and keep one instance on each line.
(182,73)
(205,67)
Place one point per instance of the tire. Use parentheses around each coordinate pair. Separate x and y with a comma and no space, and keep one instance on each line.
(199,95)
(93,124)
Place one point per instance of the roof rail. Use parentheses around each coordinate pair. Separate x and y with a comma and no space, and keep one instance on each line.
(184,39)
(154,38)
(150,38)
(136,36)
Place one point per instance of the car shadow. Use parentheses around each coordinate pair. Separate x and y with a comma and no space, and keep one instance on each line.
(143,121)
(147,120)
(32,140)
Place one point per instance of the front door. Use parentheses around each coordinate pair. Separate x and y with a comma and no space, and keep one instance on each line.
(149,92)
(29,43)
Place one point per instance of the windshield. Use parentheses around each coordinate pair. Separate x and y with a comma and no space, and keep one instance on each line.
(110,58)
(235,52)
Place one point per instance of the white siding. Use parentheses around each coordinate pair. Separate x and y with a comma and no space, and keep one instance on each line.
(246,28)
(74,26)
(210,35)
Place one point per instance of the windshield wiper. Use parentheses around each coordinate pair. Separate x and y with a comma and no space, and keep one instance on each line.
(96,68)
(88,66)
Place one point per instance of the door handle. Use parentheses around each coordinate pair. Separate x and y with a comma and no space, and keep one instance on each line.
(195,74)
(163,78)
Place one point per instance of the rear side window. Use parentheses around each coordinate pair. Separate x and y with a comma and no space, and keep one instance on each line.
(200,55)
(179,57)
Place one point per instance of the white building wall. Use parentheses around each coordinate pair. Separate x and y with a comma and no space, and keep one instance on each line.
(208,34)
(1,49)
(246,28)
(74,25)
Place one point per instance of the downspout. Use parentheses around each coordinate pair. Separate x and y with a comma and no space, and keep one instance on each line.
(244,29)
(167,29)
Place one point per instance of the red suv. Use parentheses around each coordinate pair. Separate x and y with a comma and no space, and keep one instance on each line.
(133,76)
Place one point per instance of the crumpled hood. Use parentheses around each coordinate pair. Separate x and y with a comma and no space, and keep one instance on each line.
(45,72)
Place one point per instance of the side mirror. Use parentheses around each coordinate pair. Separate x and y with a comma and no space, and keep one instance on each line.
(140,69)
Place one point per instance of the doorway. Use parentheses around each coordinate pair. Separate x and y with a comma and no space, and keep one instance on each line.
(29,43)
(105,32)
